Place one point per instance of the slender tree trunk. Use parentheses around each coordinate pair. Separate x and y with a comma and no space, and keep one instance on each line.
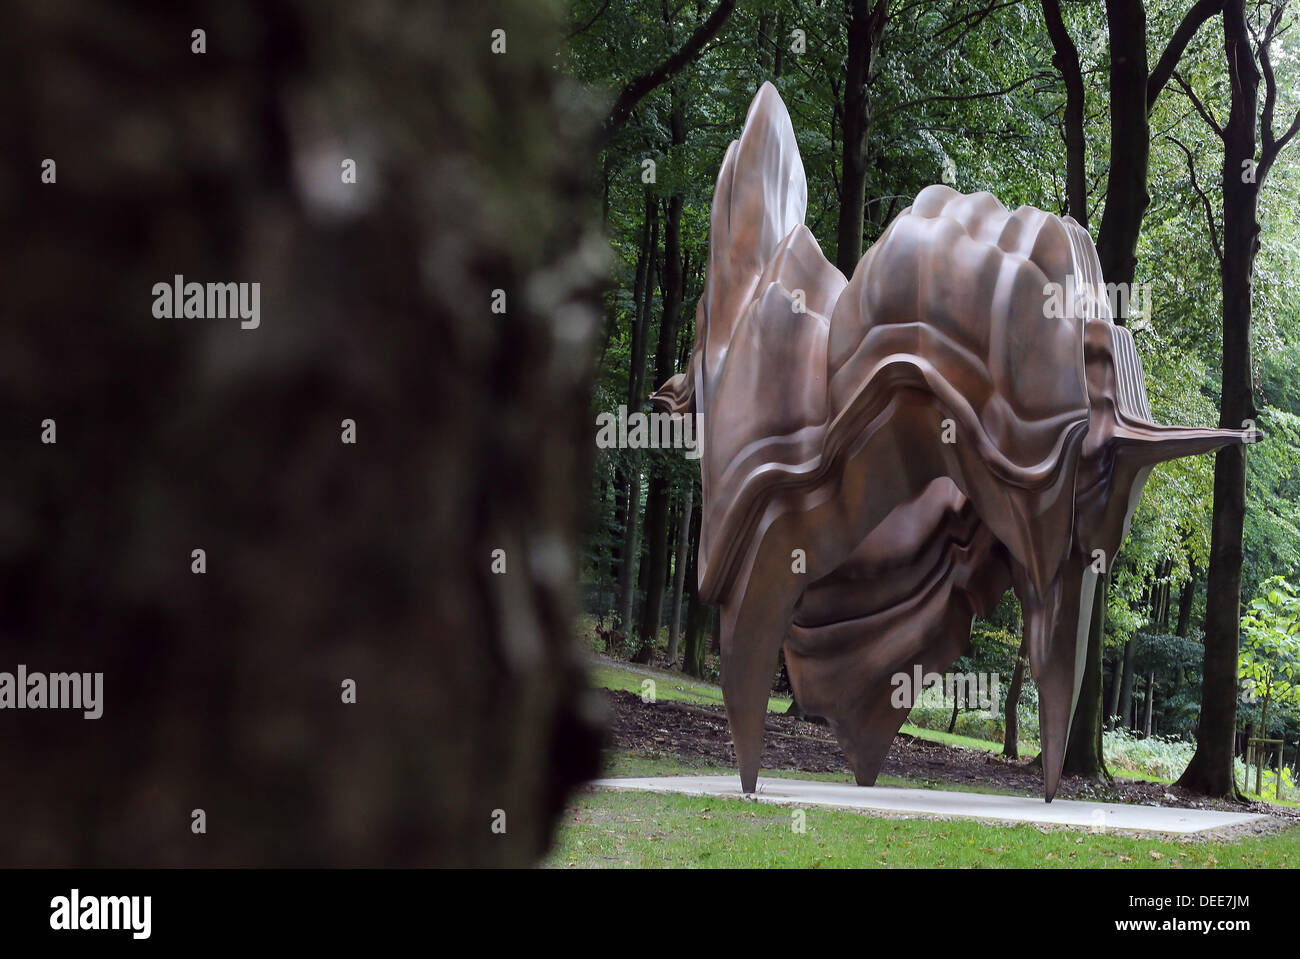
(1185,599)
(766,41)
(679,577)
(1116,680)
(693,660)
(1150,704)
(1126,683)
(780,41)
(866,27)
(1065,58)
(1011,716)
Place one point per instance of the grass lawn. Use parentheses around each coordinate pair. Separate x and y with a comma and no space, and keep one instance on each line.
(646,830)
(674,687)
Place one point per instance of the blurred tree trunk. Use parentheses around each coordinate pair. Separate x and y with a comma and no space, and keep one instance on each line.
(326,562)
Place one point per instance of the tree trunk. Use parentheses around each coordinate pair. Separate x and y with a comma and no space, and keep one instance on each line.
(1130,144)
(1126,683)
(623,495)
(1011,718)
(1210,771)
(693,658)
(866,27)
(631,548)
(679,574)
(656,525)
(328,564)
(1185,600)
(780,40)
(766,42)
(1150,704)
(1116,680)
(1065,58)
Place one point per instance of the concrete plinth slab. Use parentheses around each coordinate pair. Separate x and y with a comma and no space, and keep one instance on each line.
(937,802)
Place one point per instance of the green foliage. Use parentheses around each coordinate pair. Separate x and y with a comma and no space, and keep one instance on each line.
(1270,646)
(1159,756)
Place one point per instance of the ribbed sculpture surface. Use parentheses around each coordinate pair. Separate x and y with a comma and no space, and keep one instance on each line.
(884,456)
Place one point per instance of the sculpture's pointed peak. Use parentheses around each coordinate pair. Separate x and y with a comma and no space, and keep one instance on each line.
(767,93)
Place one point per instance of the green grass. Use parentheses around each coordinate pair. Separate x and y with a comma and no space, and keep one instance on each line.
(647,830)
(672,687)
(634,764)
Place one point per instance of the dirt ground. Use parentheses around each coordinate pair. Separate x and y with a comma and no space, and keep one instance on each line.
(699,734)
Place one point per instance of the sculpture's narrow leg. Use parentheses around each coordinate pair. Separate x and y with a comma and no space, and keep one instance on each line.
(752,632)
(1053,669)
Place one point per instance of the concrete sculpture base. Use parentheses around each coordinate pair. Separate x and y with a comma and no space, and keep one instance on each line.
(884,456)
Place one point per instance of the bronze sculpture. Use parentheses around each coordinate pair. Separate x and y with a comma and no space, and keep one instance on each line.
(884,456)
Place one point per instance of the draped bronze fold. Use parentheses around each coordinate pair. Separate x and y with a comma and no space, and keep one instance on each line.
(884,456)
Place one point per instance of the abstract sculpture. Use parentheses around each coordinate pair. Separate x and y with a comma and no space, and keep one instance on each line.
(884,456)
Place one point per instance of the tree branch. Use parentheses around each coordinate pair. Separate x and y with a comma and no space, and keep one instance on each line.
(1271,145)
(969,22)
(959,97)
(638,87)
(1205,200)
(587,26)
(1201,108)
(1201,11)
